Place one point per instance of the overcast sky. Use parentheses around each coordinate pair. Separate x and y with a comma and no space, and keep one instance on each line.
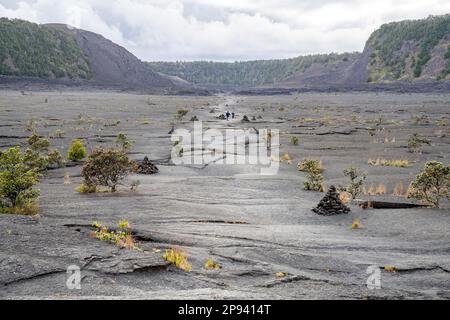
(227,30)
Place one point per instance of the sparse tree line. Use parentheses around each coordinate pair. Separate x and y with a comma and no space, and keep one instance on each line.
(247,72)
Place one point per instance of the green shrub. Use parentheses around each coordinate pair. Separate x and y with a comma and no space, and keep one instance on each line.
(37,143)
(16,180)
(314,178)
(77,151)
(357,179)
(294,140)
(122,142)
(415,143)
(54,158)
(106,167)
(39,156)
(181,113)
(431,184)
(309,165)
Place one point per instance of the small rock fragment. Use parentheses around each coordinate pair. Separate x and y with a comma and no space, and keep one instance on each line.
(146,167)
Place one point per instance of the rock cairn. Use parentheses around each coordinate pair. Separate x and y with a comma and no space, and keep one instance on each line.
(245,119)
(146,167)
(331,204)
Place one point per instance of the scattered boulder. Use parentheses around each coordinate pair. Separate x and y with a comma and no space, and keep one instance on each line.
(194,118)
(331,204)
(245,119)
(222,117)
(253,118)
(146,167)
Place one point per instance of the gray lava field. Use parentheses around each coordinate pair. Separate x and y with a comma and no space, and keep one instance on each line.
(259,228)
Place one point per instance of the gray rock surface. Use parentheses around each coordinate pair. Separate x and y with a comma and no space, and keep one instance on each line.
(254,226)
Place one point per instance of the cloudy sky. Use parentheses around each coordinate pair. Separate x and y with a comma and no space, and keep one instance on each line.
(226,30)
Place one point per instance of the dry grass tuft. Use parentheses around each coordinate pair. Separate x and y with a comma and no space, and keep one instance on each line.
(286,158)
(30,209)
(390,268)
(381,189)
(375,191)
(356,224)
(345,197)
(67,178)
(400,163)
(281,274)
(211,265)
(399,190)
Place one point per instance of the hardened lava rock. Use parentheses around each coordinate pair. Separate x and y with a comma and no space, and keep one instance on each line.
(146,167)
(331,204)
(245,119)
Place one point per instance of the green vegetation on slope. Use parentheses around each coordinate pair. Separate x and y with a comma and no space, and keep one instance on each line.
(395,42)
(29,49)
(446,71)
(250,73)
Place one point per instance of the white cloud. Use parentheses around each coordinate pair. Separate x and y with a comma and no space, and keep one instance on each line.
(224,29)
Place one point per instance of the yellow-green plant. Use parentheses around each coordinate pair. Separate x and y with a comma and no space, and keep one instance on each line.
(400,163)
(181,113)
(121,237)
(40,156)
(415,143)
(122,142)
(178,259)
(294,140)
(211,265)
(85,188)
(77,151)
(314,179)
(357,179)
(309,165)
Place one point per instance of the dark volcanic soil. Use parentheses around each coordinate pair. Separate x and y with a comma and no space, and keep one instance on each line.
(254,226)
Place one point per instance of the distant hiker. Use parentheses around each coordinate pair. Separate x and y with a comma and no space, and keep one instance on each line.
(232,115)
(228,114)
(269,139)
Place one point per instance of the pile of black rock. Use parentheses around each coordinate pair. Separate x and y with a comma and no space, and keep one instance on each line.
(146,167)
(245,119)
(331,204)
